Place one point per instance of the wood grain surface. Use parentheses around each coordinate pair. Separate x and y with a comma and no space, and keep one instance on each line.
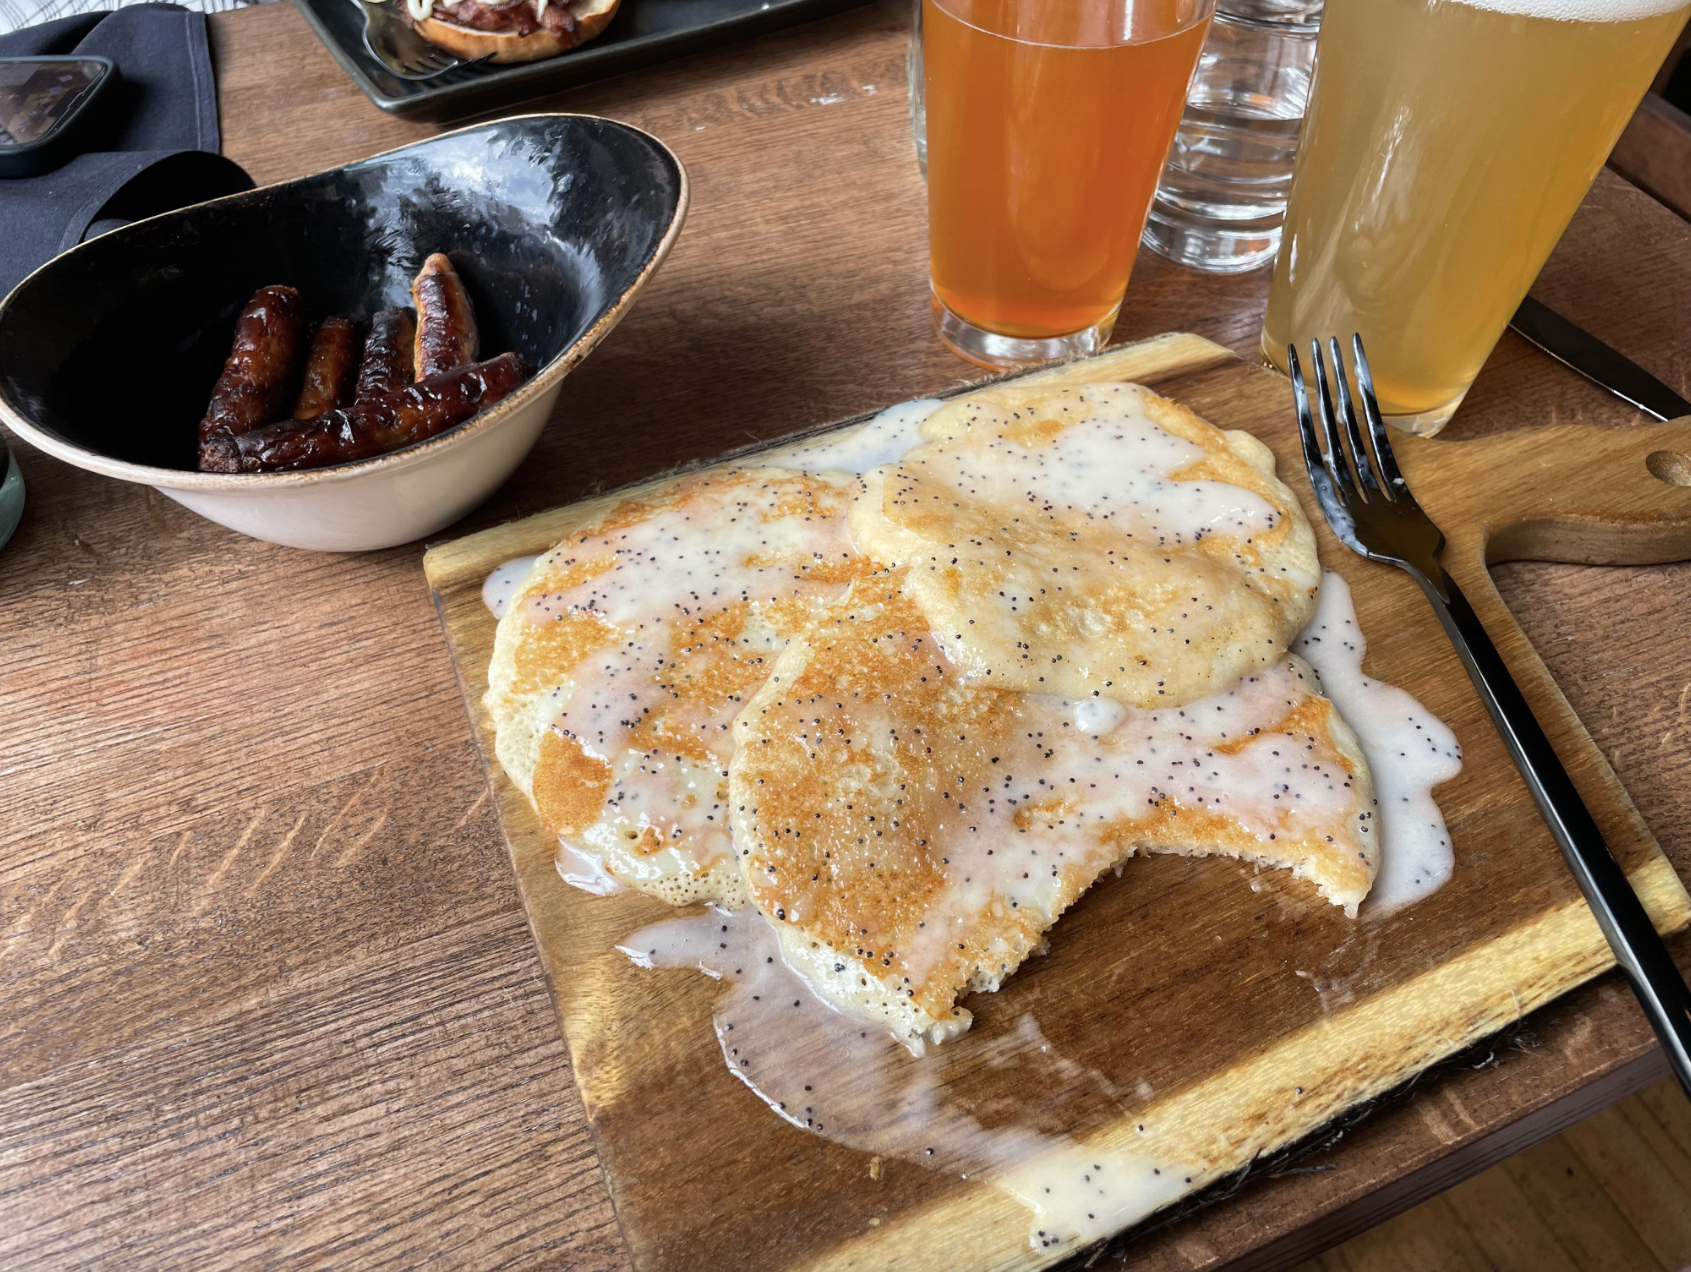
(1274,1022)
(1654,153)
(270,999)
(1611,1191)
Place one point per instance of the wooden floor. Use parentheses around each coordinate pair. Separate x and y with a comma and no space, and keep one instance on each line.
(1609,1194)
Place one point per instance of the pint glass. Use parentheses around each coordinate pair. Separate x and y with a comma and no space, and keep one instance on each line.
(1048,122)
(1447,146)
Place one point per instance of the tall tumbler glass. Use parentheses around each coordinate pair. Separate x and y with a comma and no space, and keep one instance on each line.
(1447,146)
(1222,200)
(1048,122)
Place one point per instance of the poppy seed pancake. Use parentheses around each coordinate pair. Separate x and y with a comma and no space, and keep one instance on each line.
(1085,538)
(624,655)
(913,836)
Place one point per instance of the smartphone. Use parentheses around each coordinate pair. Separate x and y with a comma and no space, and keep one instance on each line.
(46,104)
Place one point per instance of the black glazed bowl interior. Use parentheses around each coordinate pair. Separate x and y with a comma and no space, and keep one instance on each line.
(552,220)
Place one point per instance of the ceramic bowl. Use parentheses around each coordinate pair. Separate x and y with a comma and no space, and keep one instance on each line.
(11,493)
(109,352)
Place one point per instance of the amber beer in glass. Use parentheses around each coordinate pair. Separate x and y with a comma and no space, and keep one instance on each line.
(1447,146)
(1048,122)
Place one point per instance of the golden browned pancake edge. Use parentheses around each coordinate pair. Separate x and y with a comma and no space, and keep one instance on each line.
(1032,595)
(864,746)
(712,656)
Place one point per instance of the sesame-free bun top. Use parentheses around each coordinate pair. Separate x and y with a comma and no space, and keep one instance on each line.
(592,16)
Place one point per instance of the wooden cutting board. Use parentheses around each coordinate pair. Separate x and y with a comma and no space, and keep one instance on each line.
(1229,1009)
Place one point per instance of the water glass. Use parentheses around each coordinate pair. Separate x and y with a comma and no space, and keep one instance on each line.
(915,79)
(1222,200)
(1447,146)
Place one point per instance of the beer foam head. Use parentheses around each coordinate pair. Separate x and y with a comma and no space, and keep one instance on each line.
(1580,10)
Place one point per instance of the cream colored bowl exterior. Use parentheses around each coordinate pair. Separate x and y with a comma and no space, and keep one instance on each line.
(378,507)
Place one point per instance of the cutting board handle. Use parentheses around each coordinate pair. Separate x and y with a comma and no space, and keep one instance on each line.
(1593,496)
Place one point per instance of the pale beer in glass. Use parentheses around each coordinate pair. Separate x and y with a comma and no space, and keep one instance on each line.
(1048,122)
(1447,146)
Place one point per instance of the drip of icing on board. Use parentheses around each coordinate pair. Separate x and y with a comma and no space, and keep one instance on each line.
(877,441)
(850,1082)
(1409,750)
(502,584)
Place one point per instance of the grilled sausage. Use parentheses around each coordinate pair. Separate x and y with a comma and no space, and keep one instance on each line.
(258,379)
(446,321)
(387,354)
(371,427)
(329,369)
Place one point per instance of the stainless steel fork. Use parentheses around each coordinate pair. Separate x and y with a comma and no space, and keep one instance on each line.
(389,39)
(1371,510)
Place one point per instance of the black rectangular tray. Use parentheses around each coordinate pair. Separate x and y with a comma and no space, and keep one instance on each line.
(643,33)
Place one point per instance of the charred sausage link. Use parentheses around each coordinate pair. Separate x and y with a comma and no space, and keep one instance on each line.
(387,354)
(371,427)
(329,369)
(446,321)
(258,379)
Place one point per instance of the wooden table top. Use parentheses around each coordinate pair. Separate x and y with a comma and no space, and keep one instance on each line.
(269,996)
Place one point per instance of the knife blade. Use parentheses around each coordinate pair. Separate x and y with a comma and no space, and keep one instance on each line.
(1608,368)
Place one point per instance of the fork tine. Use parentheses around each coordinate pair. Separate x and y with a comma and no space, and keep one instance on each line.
(1337,467)
(1358,450)
(1312,459)
(1396,488)
(464,64)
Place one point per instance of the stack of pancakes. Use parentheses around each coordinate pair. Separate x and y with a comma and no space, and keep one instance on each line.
(911,715)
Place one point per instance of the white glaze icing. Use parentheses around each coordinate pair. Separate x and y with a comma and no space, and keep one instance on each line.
(869,1092)
(1112,465)
(584,870)
(1097,716)
(502,584)
(671,572)
(877,441)
(1409,752)
(1267,786)
(849,1082)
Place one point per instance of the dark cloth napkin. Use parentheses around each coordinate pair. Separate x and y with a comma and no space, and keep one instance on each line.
(154,148)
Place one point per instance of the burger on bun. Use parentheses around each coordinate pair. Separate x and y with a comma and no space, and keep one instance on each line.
(511,30)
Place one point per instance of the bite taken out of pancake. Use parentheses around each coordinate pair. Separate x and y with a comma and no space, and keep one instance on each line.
(1085,538)
(624,655)
(913,835)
